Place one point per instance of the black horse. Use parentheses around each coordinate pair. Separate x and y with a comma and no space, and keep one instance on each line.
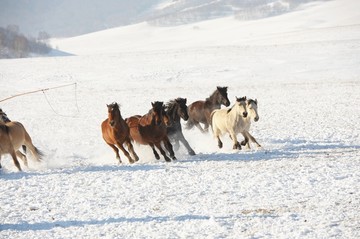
(177,109)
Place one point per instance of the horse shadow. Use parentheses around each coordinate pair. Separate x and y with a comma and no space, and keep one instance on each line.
(83,169)
(282,149)
(43,226)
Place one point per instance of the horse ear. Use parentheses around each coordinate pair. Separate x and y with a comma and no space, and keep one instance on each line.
(256,101)
(185,100)
(152,104)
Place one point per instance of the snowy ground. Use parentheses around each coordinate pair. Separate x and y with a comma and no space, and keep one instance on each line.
(303,183)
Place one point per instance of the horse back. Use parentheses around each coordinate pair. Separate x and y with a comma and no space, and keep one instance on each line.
(197,111)
(18,133)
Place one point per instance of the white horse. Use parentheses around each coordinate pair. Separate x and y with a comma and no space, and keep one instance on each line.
(251,108)
(230,121)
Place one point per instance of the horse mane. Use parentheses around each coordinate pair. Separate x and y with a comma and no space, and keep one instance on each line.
(219,90)
(252,101)
(172,104)
(4,127)
(237,100)
(241,99)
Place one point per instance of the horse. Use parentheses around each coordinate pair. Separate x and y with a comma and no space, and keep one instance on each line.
(230,121)
(176,110)
(20,138)
(6,146)
(199,111)
(151,129)
(251,108)
(116,132)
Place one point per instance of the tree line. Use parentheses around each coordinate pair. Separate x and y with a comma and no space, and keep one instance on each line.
(13,44)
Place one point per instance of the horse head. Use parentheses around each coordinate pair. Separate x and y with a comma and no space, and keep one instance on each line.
(223,96)
(241,104)
(182,110)
(157,112)
(251,106)
(113,113)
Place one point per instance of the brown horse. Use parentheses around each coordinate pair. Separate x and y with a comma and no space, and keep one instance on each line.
(116,132)
(6,146)
(199,111)
(20,137)
(150,129)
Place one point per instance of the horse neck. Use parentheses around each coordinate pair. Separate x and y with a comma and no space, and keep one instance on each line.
(146,119)
(172,113)
(120,121)
(236,113)
(212,102)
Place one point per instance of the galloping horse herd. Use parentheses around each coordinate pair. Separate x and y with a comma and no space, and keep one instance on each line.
(160,126)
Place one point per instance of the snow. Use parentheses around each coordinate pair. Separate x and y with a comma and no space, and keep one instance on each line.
(303,68)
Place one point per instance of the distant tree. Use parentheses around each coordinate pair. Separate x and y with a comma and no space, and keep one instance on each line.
(13,28)
(21,46)
(43,36)
(15,45)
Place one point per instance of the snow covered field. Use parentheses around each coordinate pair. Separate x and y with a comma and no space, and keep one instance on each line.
(303,67)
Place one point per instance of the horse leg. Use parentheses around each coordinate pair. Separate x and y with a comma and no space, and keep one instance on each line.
(169,147)
(253,139)
(154,151)
(125,152)
(176,143)
(131,149)
(206,127)
(22,157)
(197,124)
(158,145)
(116,150)
(236,143)
(220,144)
(246,141)
(186,144)
(16,162)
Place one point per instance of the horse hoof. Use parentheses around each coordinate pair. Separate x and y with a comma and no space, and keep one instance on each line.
(167,159)
(192,153)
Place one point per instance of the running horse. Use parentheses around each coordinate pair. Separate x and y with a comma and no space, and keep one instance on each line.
(231,121)
(19,138)
(199,111)
(176,110)
(251,108)
(116,132)
(151,129)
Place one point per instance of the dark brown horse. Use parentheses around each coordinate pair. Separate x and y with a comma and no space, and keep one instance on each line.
(176,110)
(199,111)
(116,132)
(150,129)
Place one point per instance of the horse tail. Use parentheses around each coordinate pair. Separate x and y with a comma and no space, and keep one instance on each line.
(39,154)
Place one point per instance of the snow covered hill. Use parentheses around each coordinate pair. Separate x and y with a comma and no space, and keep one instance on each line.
(302,67)
(316,23)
